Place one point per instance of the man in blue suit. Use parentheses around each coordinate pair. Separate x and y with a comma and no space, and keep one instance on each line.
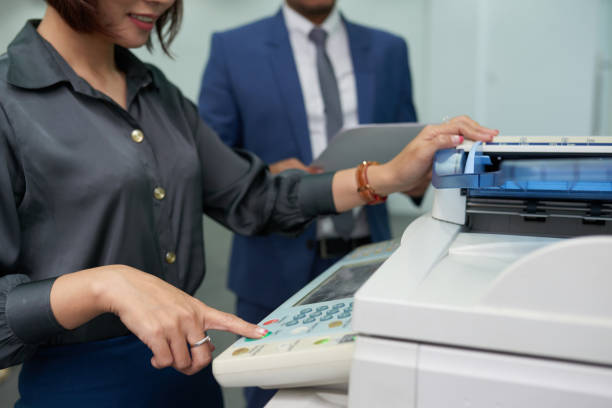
(261,91)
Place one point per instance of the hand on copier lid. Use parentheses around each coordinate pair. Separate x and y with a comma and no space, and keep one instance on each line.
(411,167)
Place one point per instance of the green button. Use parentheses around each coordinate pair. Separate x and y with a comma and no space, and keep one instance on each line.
(322,341)
(265,335)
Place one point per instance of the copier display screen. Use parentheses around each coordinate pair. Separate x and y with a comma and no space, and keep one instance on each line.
(341,284)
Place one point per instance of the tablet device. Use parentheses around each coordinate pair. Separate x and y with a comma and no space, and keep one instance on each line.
(376,142)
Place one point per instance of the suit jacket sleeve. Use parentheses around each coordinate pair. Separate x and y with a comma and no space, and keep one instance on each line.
(217,102)
(406,111)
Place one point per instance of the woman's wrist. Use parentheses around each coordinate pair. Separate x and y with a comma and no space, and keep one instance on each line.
(101,284)
(382,179)
(78,297)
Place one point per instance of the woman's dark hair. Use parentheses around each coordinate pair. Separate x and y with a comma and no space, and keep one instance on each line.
(82,15)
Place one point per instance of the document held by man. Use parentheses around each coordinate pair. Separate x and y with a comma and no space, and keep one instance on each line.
(375,142)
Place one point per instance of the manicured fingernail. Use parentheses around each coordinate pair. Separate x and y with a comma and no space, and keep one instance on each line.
(456,139)
(262,331)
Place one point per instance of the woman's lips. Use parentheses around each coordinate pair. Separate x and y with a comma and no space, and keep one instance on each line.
(143,21)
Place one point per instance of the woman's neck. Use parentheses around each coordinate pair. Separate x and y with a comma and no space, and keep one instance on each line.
(90,55)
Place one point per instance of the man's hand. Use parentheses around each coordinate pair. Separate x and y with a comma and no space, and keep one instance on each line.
(292,163)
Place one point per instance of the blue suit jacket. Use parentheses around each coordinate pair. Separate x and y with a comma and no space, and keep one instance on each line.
(251,95)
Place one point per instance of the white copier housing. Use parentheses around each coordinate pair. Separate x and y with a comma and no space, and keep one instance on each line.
(502,296)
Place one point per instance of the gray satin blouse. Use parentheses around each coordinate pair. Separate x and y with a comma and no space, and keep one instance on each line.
(85,183)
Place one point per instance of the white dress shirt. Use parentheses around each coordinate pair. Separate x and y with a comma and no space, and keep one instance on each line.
(305,56)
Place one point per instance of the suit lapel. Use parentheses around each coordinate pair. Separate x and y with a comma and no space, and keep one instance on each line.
(359,43)
(288,82)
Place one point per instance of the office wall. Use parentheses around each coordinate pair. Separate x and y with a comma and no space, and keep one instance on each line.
(526,67)
(13,15)
(603,118)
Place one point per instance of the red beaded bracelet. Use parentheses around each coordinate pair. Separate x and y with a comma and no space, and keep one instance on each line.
(364,188)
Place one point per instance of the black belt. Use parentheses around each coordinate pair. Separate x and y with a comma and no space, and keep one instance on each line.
(336,247)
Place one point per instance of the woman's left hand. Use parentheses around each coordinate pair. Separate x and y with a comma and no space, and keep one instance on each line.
(411,167)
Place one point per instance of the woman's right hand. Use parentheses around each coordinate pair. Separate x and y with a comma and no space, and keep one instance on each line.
(163,317)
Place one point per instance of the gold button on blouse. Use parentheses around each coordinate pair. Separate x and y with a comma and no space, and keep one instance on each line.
(137,135)
(159,193)
(170,257)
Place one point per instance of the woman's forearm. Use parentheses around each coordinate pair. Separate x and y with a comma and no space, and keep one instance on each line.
(162,316)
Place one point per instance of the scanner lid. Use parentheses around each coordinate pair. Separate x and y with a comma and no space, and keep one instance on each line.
(540,167)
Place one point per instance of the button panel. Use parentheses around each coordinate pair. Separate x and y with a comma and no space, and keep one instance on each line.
(333,316)
(300,327)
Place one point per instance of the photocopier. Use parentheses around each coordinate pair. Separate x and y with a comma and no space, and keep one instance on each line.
(500,297)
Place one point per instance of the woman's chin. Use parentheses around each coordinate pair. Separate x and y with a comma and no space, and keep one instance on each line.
(135,41)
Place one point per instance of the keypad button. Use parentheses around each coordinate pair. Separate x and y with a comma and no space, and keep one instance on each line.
(292,323)
(315,314)
(299,316)
(344,315)
(306,310)
(326,317)
(283,347)
(347,338)
(321,308)
(262,337)
(309,320)
(240,351)
(299,330)
(335,323)
(321,341)
(338,305)
(332,311)
(270,322)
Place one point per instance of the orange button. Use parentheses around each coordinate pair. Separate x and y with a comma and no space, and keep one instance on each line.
(270,322)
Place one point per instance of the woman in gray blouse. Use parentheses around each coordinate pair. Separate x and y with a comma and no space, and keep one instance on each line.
(105,172)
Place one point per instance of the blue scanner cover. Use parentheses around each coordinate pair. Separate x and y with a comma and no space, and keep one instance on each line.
(580,178)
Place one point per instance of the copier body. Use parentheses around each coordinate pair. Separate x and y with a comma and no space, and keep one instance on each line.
(501,297)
